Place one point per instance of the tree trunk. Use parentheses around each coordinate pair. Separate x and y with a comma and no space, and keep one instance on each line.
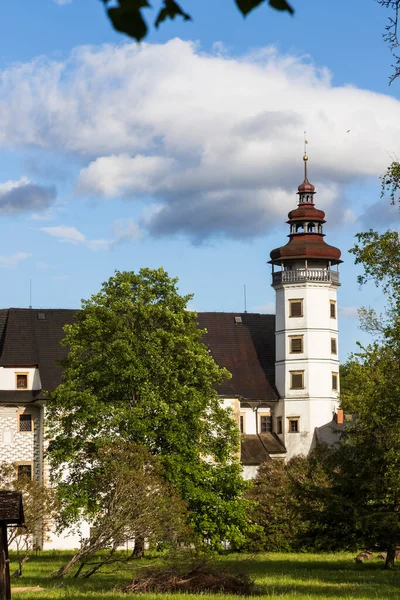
(138,551)
(390,557)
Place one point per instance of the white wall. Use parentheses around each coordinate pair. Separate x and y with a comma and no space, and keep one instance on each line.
(8,377)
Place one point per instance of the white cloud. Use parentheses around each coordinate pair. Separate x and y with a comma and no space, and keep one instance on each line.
(62,2)
(22,196)
(122,231)
(65,234)
(7,262)
(213,140)
(349,312)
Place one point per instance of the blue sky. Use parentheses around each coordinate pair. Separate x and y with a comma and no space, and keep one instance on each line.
(186,151)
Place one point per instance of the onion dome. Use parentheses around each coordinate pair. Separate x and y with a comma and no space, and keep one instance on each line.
(306,238)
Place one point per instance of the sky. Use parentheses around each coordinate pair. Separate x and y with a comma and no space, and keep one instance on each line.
(186,151)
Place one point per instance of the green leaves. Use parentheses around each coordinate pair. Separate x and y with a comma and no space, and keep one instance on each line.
(169,11)
(246,6)
(128,17)
(281,5)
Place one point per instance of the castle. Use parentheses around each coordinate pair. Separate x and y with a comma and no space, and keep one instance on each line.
(285,369)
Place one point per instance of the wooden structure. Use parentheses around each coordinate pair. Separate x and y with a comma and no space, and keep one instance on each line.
(11,513)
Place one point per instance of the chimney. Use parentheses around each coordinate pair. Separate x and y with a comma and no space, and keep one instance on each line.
(339,416)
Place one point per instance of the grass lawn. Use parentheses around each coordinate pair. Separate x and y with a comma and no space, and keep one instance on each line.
(283,576)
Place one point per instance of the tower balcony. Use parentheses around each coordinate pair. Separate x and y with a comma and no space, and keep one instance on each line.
(302,275)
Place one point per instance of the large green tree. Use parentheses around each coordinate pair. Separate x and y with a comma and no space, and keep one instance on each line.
(137,371)
(368,460)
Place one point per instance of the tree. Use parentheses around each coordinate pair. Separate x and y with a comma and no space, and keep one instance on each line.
(137,371)
(128,499)
(128,16)
(368,459)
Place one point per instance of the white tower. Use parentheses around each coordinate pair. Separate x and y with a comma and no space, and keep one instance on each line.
(307,365)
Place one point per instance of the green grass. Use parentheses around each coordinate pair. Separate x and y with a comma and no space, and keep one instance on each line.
(282,576)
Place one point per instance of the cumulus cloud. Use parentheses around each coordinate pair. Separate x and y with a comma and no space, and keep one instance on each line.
(22,196)
(210,141)
(7,262)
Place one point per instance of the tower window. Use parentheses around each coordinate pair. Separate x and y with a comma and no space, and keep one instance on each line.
(333,346)
(333,309)
(279,429)
(296,380)
(296,344)
(296,307)
(293,424)
(265,423)
(311,227)
(335,381)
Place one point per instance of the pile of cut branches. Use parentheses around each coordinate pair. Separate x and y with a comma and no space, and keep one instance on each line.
(193,577)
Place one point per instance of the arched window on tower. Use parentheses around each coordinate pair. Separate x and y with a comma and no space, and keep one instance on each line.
(319,228)
(311,228)
(299,228)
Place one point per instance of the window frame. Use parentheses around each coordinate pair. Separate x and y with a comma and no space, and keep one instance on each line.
(296,337)
(25,463)
(293,420)
(269,421)
(291,373)
(279,426)
(335,374)
(18,374)
(242,422)
(27,413)
(334,345)
(296,301)
(332,309)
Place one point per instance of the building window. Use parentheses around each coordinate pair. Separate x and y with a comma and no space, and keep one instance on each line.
(333,309)
(333,346)
(293,424)
(21,381)
(24,470)
(296,307)
(296,380)
(241,423)
(296,344)
(279,429)
(25,422)
(265,424)
(335,381)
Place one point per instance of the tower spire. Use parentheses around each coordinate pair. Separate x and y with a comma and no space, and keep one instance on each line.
(305,157)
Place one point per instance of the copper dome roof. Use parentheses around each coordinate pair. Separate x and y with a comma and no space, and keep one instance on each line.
(306,245)
(306,187)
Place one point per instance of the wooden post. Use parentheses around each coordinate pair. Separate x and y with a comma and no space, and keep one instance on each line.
(5,590)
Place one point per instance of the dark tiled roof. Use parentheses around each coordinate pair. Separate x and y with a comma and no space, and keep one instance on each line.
(246,349)
(257,449)
(27,340)
(18,396)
